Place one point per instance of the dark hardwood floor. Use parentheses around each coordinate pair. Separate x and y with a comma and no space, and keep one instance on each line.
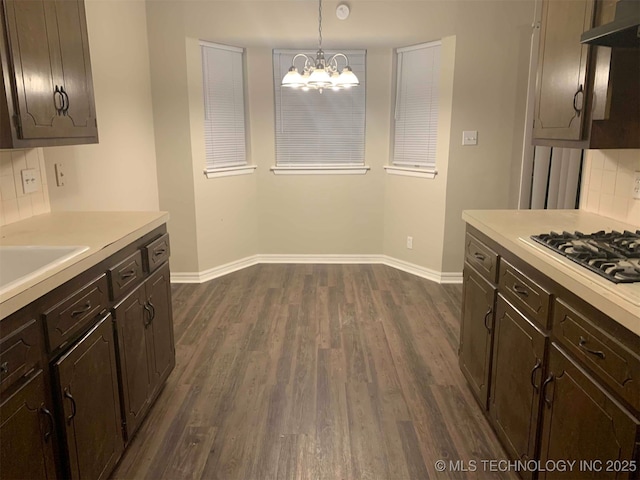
(314,372)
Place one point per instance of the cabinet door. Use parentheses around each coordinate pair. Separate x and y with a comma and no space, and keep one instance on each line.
(161,328)
(88,395)
(51,69)
(476,333)
(27,433)
(581,421)
(132,318)
(562,70)
(518,355)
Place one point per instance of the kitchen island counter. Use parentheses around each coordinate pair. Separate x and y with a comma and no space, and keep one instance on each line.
(512,230)
(103,232)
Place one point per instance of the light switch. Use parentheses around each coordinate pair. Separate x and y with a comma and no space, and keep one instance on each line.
(30,180)
(470,137)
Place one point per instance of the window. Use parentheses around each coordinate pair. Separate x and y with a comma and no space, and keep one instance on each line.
(319,132)
(224,122)
(416,110)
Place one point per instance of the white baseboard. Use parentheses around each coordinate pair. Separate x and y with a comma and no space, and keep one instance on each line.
(210,274)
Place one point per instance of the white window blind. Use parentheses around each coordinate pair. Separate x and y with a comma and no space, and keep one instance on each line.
(319,129)
(416,112)
(224,123)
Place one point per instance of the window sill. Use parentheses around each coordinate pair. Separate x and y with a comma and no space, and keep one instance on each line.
(321,170)
(230,171)
(411,171)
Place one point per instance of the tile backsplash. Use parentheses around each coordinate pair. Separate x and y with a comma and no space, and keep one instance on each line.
(607,184)
(14,203)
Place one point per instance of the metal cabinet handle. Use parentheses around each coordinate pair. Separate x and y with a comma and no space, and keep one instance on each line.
(65,102)
(159,251)
(486,317)
(47,414)
(549,379)
(127,274)
(575,97)
(520,290)
(85,309)
(583,345)
(4,368)
(58,100)
(533,374)
(479,256)
(148,320)
(73,404)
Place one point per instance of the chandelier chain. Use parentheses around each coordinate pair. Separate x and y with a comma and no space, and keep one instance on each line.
(320,24)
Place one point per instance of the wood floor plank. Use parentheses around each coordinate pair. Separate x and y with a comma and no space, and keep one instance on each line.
(312,372)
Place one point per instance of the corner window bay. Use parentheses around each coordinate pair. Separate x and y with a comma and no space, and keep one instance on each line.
(319,132)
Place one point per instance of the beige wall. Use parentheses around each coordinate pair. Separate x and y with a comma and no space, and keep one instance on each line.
(234,217)
(119,173)
(607,184)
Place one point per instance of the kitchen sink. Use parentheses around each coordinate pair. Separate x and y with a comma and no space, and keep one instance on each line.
(20,264)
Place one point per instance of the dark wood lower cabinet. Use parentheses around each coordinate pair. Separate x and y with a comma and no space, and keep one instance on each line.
(87,392)
(27,433)
(582,421)
(518,357)
(146,351)
(478,304)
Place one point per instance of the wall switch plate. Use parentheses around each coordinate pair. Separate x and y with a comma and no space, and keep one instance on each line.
(470,137)
(30,180)
(409,243)
(59,174)
(636,185)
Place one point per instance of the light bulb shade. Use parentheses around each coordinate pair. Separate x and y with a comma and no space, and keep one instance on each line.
(319,78)
(347,78)
(292,79)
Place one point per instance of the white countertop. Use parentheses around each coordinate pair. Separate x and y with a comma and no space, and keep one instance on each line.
(512,229)
(103,232)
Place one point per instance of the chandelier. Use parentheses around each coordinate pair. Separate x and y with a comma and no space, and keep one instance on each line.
(320,73)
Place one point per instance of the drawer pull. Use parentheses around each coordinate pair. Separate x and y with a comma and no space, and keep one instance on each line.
(583,345)
(159,251)
(128,274)
(520,290)
(73,404)
(479,256)
(547,400)
(486,317)
(4,368)
(47,413)
(85,309)
(533,374)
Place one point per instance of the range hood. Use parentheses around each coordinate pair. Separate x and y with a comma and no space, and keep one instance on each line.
(624,31)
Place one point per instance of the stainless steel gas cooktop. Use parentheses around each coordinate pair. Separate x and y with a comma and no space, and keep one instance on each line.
(613,255)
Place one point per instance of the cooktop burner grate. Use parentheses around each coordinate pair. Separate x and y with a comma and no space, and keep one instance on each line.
(613,255)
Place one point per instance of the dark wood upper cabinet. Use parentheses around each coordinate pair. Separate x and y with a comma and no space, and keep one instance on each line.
(562,70)
(581,420)
(586,96)
(46,72)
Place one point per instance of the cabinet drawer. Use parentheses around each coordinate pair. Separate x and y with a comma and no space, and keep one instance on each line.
(125,275)
(156,253)
(19,354)
(71,316)
(614,363)
(530,298)
(481,257)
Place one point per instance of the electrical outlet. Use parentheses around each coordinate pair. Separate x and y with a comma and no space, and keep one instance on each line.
(409,243)
(59,174)
(636,185)
(470,137)
(30,180)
